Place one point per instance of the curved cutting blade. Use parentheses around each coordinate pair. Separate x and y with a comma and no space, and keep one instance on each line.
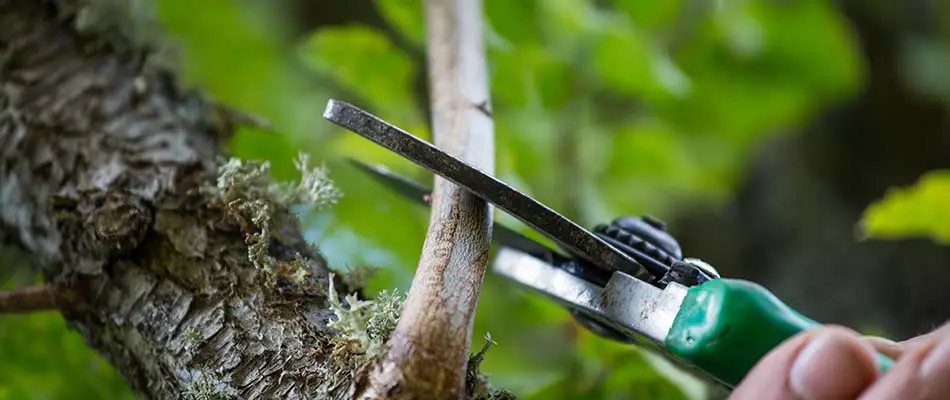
(567,234)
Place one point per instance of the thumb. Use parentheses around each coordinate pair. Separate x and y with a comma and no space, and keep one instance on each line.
(824,363)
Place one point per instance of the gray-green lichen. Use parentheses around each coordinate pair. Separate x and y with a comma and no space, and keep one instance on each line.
(248,195)
(364,325)
(202,386)
(314,188)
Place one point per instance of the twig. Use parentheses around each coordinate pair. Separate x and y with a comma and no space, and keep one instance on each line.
(428,351)
(27,300)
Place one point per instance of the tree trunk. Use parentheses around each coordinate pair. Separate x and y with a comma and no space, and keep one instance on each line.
(107,179)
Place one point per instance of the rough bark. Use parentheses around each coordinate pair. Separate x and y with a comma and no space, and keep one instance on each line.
(102,164)
(428,352)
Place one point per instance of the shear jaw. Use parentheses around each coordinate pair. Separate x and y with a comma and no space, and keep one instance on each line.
(635,308)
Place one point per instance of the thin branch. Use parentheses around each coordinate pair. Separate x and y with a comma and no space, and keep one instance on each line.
(27,300)
(429,349)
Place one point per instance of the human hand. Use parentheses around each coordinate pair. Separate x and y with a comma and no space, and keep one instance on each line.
(832,362)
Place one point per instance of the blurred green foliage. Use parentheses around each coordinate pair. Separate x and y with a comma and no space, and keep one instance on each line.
(919,210)
(40,358)
(627,107)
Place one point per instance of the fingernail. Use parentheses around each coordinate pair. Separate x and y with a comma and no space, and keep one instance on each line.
(935,371)
(830,366)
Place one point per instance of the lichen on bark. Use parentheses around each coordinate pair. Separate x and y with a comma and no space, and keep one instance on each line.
(102,167)
(189,275)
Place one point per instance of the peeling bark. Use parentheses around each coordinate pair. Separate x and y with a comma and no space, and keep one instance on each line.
(101,167)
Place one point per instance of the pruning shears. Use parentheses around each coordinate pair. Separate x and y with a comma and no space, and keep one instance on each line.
(626,280)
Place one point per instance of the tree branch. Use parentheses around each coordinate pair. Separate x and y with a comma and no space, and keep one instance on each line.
(27,300)
(428,351)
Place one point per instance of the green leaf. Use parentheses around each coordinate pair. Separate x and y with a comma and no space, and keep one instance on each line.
(235,51)
(363,61)
(919,210)
(651,14)
(799,34)
(406,16)
(517,22)
(570,18)
(630,64)
(651,167)
(254,144)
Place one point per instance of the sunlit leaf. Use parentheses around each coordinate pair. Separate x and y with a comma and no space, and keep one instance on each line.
(918,210)
(744,35)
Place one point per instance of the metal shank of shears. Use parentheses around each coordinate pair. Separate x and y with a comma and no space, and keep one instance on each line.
(579,241)
(632,307)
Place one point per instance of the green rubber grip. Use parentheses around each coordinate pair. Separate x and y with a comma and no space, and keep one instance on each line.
(726,325)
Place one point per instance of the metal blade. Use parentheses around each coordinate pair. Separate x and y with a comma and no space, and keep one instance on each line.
(571,236)
(398,183)
(409,188)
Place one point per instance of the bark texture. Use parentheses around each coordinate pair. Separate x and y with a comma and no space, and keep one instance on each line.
(428,352)
(102,164)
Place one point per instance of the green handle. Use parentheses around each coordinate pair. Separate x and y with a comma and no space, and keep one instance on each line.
(726,325)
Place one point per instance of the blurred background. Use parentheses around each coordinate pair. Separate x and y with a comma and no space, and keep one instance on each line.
(795,143)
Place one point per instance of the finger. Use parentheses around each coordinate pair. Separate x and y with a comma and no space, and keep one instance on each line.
(942,331)
(825,363)
(761,382)
(923,372)
(895,350)
(885,346)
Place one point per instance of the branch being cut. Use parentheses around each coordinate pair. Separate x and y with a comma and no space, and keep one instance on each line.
(27,300)
(428,351)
